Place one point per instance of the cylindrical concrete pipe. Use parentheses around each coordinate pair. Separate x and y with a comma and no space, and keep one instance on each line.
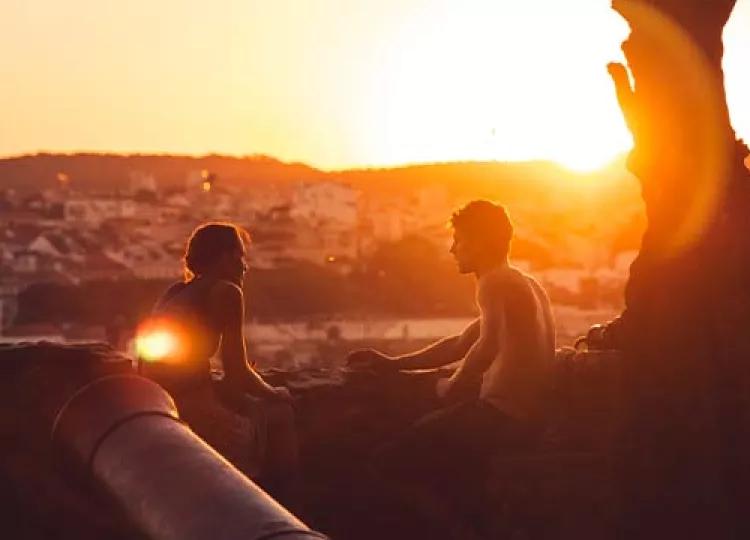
(124,432)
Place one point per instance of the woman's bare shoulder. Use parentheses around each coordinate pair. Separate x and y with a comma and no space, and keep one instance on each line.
(225,291)
(172,291)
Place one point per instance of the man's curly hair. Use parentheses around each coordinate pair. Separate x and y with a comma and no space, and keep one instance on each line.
(487,222)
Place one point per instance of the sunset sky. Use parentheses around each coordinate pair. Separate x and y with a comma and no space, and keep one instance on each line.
(334,83)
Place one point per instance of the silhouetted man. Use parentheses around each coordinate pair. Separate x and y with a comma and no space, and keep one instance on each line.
(494,400)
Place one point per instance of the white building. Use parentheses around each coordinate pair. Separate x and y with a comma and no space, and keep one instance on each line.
(43,246)
(94,211)
(330,202)
(26,262)
(147,260)
(565,278)
(142,181)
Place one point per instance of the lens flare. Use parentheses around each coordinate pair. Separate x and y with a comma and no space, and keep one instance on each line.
(157,341)
(156,346)
(695,169)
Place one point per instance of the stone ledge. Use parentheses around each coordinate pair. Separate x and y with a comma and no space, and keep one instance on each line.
(340,416)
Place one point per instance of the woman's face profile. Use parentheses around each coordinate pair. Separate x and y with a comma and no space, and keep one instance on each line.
(232,265)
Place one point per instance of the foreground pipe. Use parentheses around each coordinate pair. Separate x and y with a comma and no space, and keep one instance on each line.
(123,431)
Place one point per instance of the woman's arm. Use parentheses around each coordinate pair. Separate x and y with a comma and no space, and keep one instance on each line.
(228,306)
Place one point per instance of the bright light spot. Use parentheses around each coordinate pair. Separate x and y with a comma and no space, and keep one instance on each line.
(584,163)
(156,345)
(486,82)
(705,160)
(206,186)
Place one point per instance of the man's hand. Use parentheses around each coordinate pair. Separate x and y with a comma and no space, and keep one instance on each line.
(454,389)
(370,359)
(443,387)
(281,393)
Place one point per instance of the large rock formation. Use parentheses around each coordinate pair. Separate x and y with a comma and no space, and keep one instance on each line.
(36,380)
(688,297)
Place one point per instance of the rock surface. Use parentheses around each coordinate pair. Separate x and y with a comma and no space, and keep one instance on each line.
(565,488)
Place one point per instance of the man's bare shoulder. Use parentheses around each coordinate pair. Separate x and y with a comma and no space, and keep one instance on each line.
(536,288)
(502,281)
(511,286)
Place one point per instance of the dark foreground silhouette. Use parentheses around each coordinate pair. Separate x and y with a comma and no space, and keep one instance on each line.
(565,488)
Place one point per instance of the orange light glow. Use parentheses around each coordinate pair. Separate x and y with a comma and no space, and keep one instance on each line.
(399,81)
(206,186)
(158,341)
(156,346)
(710,160)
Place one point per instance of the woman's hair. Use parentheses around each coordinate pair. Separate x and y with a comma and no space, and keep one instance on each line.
(207,243)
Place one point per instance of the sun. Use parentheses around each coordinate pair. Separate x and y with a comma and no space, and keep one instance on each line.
(583,164)
(473,81)
(586,159)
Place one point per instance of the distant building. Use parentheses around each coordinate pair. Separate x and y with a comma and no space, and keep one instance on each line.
(329,202)
(33,332)
(141,181)
(25,262)
(565,278)
(94,211)
(279,240)
(97,266)
(147,260)
(177,200)
(44,246)
(194,180)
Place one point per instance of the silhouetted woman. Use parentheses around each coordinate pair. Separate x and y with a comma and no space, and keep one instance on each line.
(197,318)
(204,314)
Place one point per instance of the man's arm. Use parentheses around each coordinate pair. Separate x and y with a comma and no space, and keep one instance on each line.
(442,352)
(485,349)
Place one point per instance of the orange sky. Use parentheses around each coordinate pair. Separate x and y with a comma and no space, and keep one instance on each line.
(334,83)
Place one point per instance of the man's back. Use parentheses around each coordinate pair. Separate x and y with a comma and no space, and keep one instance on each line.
(518,378)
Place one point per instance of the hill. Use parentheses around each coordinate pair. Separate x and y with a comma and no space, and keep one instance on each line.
(508,181)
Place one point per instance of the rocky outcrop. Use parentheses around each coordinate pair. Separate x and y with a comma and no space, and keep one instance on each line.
(36,381)
(688,297)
